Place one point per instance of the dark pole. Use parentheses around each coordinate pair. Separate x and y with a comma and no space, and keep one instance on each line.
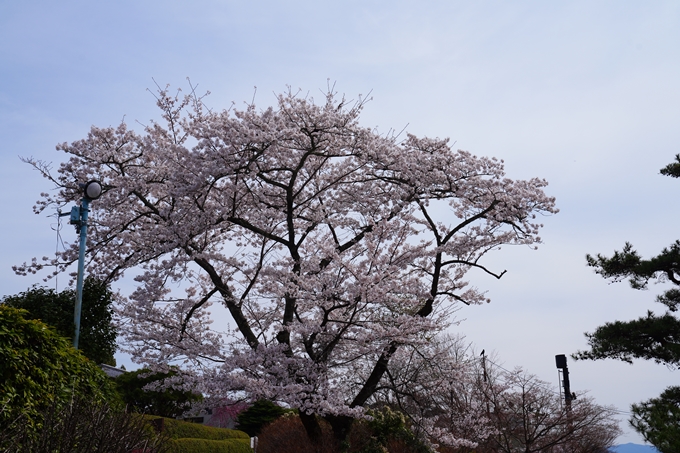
(561,363)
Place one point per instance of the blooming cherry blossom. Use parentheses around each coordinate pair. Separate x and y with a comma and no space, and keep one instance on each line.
(329,244)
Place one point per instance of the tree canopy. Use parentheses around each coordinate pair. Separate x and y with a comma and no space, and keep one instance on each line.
(328,244)
(97,331)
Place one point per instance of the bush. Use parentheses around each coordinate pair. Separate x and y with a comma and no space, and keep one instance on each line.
(391,430)
(82,427)
(178,429)
(388,432)
(210,446)
(40,370)
(287,435)
(194,438)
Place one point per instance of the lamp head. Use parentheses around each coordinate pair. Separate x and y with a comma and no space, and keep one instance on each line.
(92,190)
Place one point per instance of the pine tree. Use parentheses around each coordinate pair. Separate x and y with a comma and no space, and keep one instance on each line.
(650,337)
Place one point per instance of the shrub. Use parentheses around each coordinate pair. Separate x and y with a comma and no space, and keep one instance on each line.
(82,426)
(388,432)
(287,435)
(390,429)
(192,445)
(194,438)
(178,429)
(40,370)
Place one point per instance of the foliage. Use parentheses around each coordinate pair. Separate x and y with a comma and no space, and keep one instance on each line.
(40,369)
(287,434)
(210,446)
(178,429)
(388,426)
(97,332)
(81,426)
(658,420)
(258,415)
(329,245)
(189,437)
(672,169)
(164,402)
(652,337)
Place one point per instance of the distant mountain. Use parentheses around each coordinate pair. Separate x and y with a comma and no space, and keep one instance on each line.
(634,448)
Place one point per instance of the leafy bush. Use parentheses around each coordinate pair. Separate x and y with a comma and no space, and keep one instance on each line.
(658,420)
(388,432)
(390,428)
(194,438)
(210,446)
(178,429)
(41,370)
(287,435)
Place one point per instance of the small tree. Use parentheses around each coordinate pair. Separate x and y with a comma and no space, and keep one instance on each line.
(140,391)
(529,416)
(259,414)
(97,331)
(225,413)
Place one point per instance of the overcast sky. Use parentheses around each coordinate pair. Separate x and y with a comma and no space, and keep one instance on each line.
(582,93)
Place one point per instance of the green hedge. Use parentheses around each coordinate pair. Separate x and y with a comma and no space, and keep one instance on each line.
(239,445)
(178,429)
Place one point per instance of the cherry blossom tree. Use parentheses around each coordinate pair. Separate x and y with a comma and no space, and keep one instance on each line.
(467,403)
(329,244)
(529,416)
(439,387)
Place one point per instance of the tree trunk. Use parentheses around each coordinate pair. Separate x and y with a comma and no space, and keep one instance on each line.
(312,427)
(341,425)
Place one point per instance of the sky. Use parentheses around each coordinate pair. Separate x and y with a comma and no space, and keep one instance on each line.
(585,94)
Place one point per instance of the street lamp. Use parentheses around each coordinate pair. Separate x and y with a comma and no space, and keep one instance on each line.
(91,191)
(561,363)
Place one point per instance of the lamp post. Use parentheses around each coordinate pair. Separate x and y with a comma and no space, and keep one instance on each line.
(91,191)
(561,363)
